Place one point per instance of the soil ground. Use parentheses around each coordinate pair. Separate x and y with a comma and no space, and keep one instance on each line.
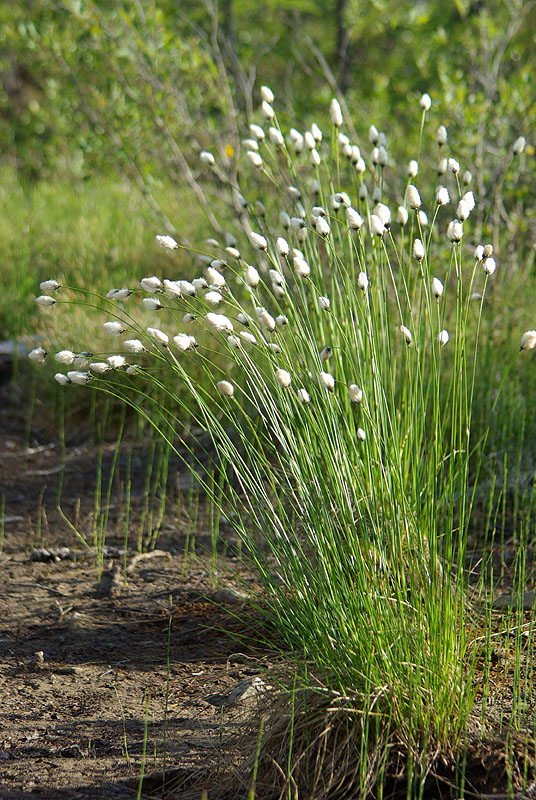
(88,701)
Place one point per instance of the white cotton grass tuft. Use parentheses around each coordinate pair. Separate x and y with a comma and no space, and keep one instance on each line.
(214,277)
(363,281)
(327,380)
(220,322)
(283,377)
(38,354)
(276,137)
(62,379)
(326,353)
(172,289)
(479,252)
(119,294)
(315,157)
(413,168)
(489,266)
(336,113)
(361,435)
(207,158)
(356,394)
(425,102)
(152,303)
(437,288)
(258,241)
(519,145)
(414,198)
(442,196)
(45,300)
(166,242)
(116,362)
(376,225)
(248,337)
(282,246)
(354,219)
(384,213)
(134,346)
(455,231)
(322,226)
(528,341)
(152,284)
(406,333)
(159,336)
(114,328)
(324,303)
(443,337)
(213,298)
(402,215)
(453,165)
(303,396)
(267,94)
(49,286)
(79,377)
(418,250)
(267,111)
(267,321)
(252,276)
(225,388)
(441,136)
(65,357)
(301,266)
(99,367)
(184,342)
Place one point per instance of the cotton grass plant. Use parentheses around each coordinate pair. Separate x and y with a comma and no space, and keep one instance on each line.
(330,345)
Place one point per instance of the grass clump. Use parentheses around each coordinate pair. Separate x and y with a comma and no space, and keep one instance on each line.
(331,347)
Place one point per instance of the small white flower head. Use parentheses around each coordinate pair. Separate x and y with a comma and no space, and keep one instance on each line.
(276,277)
(99,367)
(158,335)
(479,252)
(356,154)
(442,166)
(469,198)
(267,111)
(327,380)
(213,298)
(38,355)
(361,435)
(282,246)
(257,132)
(258,241)
(283,377)
(152,284)
(463,210)
(284,220)
(467,178)
(376,194)
(310,141)
(62,379)
(414,198)
(326,353)
(166,242)
(45,300)
(278,290)
(267,94)
(198,283)
(233,252)
(402,215)
(413,168)
(276,137)
(220,322)
(303,396)
(152,303)
(383,212)
(336,113)
(418,250)
(172,288)
(488,250)
(121,294)
(443,337)
(425,102)
(81,360)
(301,266)
(519,145)
(207,158)
(376,225)
(375,156)
(110,294)
(114,328)
(406,333)
(250,144)
(134,346)
(363,281)
(423,219)
(267,321)
(455,231)
(489,266)
(188,317)
(49,286)
(317,133)
(437,288)
(225,388)
(343,198)
(354,219)
(79,377)
(528,340)
(233,341)
(315,157)
(324,303)
(65,357)
(248,337)
(442,135)
(356,394)
(442,196)
(383,158)
(254,158)
(281,320)
(184,342)
(373,134)
(252,276)
(298,144)
(322,226)
(344,141)
(133,369)
(363,192)
(453,165)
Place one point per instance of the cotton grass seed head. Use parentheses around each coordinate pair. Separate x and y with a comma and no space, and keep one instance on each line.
(384,213)
(258,241)
(152,303)
(38,355)
(406,333)
(213,298)
(225,388)
(134,346)
(166,242)
(65,357)
(414,198)
(327,380)
(116,362)
(267,111)
(361,435)
(267,94)
(322,226)
(443,337)
(363,281)
(159,336)
(207,158)
(172,288)
(326,353)
(252,276)
(519,145)
(49,286)
(441,136)
(99,367)
(257,132)
(276,137)
(402,215)
(282,246)
(413,168)
(184,342)
(442,196)
(418,250)
(324,303)
(354,219)
(356,394)
(114,328)
(62,379)
(283,377)
(455,231)
(303,396)
(437,288)
(267,321)
(453,165)
(479,252)
(79,377)
(301,266)
(152,284)
(336,113)
(214,277)
(219,322)
(376,225)
(528,340)
(45,300)
(489,266)
(425,102)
